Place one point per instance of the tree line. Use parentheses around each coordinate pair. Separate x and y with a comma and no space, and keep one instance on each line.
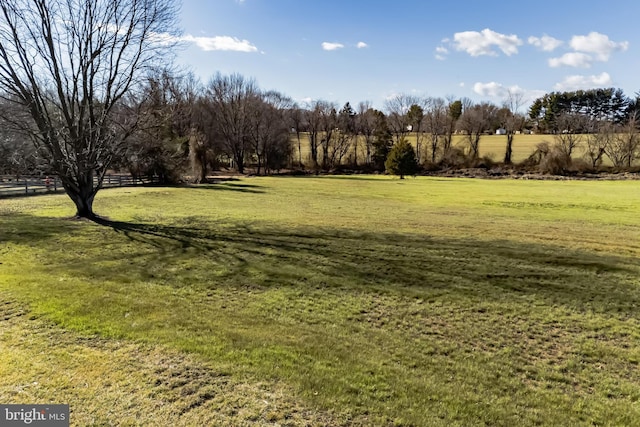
(83,90)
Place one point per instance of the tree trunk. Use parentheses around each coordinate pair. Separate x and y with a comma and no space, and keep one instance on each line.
(434,147)
(239,158)
(475,146)
(355,152)
(299,150)
(82,195)
(507,154)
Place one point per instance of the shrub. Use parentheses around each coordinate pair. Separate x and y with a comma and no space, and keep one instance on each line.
(453,157)
(555,161)
(402,160)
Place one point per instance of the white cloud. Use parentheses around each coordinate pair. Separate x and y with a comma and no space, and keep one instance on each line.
(501,92)
(222,43)
(441,51)
(332,46)
(545,43)
(584,82)
(572,59)
(484,43)
(588,49)
(597,44)
(497,90)
(362,45)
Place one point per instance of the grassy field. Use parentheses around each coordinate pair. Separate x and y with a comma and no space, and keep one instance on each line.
(490,145)
(327,301)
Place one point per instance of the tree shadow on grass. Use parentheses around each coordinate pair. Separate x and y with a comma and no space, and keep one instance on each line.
(27,229)
(232,186)
(395,263)
(262,255)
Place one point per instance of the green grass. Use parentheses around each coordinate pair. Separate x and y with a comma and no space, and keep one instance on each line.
(353,301)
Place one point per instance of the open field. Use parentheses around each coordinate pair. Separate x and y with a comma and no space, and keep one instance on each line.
(327,301)
(490,145)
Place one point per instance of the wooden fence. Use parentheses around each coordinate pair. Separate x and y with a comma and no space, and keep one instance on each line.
(12,186)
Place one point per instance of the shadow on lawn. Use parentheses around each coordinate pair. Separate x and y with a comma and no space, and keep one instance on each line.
(403,263)
(257,255)
(232,186)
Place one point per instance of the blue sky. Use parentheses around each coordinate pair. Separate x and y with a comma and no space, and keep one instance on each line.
(357,50)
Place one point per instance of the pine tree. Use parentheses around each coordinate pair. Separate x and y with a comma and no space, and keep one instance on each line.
(402,160)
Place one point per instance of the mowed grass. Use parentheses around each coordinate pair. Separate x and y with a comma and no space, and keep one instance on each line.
(328,301)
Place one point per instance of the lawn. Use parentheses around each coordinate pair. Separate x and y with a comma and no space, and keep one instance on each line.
(327,301)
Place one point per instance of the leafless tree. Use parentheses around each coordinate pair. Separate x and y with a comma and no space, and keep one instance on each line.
(397,108)
(328,127)
(314,117)
(599,138)
(169,131)
(474,122)
(18,156)
(624,147)
(68,65)
(437,122)
(365,127)
(570,134)
(511,120)
(347,136)
(297,119)
(229,100)
(268,130)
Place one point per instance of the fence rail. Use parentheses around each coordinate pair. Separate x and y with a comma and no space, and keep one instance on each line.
(12,186)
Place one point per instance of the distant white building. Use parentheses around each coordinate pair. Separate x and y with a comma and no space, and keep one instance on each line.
(501,131)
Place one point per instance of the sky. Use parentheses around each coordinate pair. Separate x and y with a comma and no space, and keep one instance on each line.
(373,50)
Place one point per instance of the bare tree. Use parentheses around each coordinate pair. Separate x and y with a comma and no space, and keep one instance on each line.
(68,65)
(511,120)
(345,138)
(229,100)
(570,134)
(169,129)
(624,147)
(18,156)
(437,122)
(297,120)
(397,109)
(313,118)
(600,137)
(474,122)
(366,126)
(328,127)
(268,130)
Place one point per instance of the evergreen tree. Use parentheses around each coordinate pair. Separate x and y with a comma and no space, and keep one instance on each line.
(402,160)
(383,141)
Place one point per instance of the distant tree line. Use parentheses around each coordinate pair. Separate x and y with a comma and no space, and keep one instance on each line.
(187,128)
(83,92)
